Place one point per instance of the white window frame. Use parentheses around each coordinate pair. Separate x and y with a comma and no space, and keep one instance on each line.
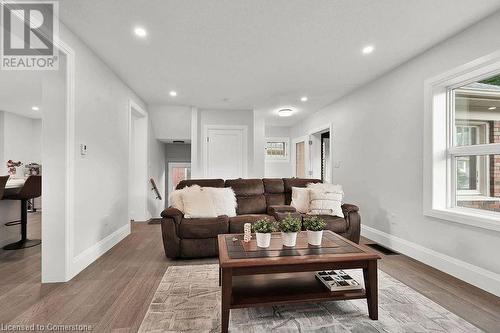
(439,170)
(285,158)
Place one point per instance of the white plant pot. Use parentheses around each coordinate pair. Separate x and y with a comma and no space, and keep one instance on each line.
(263,240)
(289,238)
(314,237)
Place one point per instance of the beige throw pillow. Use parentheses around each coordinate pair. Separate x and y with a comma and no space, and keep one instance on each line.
(198,204)
(300,199)
(176,197)
(325,199)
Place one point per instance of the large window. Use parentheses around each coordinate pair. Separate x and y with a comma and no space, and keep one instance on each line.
(475,113)
(461,180)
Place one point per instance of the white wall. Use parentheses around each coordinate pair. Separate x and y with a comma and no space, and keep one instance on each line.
(100,178)
(156,170)
(378,139)
(171,122)
(278,169)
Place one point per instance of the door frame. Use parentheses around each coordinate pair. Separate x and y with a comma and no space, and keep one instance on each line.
(135,110)
(325,128)
(170,166)
(242,128)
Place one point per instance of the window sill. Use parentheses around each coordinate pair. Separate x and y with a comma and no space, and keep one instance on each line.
(467,216)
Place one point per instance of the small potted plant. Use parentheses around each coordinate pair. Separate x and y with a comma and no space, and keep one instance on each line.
(263,229)
(314,226)
(289,226)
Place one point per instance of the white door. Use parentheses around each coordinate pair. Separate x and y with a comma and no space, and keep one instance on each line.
(301,161)
(225,152)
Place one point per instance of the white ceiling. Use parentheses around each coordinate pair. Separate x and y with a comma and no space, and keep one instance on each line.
(20,91)
(262,54)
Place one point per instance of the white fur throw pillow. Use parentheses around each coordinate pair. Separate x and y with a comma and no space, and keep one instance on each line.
(325,199)
(176,197)
(224,200)
(198,203)
(300,199)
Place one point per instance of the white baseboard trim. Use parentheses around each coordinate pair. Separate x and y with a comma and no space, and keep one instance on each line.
(477,276)
(81,261)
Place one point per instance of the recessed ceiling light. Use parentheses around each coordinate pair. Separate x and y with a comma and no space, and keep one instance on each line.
(492,108)
(35,108)
(140,32)
(285,112)
(304,99)
(173,93)
(368,49)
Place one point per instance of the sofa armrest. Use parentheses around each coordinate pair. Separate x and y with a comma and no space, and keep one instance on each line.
(348,208)
(271,210)
(353,219)
(172,213)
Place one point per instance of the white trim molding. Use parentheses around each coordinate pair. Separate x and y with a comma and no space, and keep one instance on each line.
(477,276)
(81,261)
(438,175)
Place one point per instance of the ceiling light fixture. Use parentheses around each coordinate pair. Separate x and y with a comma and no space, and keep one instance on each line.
(368,49)
(173,93)
(285,112)
(35,108)
(304,99)
(492,108)
(140,32)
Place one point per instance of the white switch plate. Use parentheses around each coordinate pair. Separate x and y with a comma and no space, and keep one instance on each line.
(83,149)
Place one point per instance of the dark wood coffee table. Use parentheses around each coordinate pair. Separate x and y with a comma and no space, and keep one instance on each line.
(251,276)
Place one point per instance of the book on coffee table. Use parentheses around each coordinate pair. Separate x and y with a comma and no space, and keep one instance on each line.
(337,280)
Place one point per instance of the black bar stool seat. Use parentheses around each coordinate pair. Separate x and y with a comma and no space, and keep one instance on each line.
(31,189)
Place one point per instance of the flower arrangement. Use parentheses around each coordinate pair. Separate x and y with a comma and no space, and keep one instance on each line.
(263,226)
(11,166)
(289,224)
(263,229)
(314,223)
(314,226)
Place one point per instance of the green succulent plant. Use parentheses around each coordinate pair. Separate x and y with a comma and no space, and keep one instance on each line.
(263,226)
(314,223)
(289,224)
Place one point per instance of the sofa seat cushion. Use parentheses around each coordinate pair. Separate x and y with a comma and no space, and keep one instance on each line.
(334,223)
(236,223)
(203,227)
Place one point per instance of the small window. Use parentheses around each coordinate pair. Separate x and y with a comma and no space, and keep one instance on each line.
(277,149)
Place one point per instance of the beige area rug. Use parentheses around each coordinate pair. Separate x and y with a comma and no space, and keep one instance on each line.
(188,300)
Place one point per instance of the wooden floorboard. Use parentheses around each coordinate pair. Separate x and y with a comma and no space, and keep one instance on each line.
(113,294)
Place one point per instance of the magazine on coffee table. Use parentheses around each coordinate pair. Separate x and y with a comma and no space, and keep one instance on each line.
(337,280)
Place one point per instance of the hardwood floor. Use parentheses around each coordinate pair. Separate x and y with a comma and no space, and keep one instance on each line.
(114,292)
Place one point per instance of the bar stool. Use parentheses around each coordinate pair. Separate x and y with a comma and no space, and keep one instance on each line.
(32,188)
(3,182)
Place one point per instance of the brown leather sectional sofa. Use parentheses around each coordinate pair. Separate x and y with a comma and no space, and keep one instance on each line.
(257,199)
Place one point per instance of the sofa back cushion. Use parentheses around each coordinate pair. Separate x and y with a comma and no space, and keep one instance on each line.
(274,191)
(249,195)
(296,182)
(200,182)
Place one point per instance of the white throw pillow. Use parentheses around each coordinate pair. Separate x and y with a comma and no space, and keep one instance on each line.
(300,199)
(198,204)
(224,200)
(325,199)
(176,196)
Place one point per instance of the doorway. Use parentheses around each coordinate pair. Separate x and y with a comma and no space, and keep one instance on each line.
(138,163)
(176,173)
(320,155)
(225,151)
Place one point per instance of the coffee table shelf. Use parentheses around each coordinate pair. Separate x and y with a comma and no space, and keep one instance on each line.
(276,289)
